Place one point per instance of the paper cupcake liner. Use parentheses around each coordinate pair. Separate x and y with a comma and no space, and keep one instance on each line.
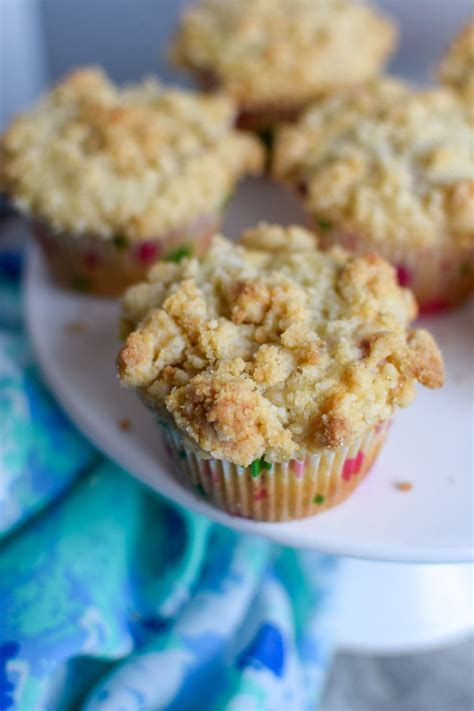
(106,267)
(276,492)
(268,116)
(261,119)
(440,277)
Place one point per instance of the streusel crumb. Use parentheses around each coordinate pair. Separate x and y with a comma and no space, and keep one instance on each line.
(140,161)
(274,353)
(457,68)
(273,52)
(403,486)
(388,163)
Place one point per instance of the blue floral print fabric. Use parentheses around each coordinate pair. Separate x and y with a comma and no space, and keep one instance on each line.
(112,599)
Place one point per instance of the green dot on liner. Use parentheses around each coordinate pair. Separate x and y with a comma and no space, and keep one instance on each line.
(201,490)
(318,499)
(120,242)
(257,466)
(176,255)
(182,454)
(226,202)
(163,424)
(81,283)
(324,225)
(267,137)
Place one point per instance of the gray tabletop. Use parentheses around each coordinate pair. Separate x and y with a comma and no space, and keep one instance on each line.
(440,680)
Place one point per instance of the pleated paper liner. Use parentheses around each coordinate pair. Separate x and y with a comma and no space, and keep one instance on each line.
(260,116)
(440,277)
(277,492)
(106,267)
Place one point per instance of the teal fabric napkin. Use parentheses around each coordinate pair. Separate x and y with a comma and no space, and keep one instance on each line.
(113,599)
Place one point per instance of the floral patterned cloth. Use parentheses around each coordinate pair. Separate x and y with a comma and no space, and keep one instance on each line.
(112,599)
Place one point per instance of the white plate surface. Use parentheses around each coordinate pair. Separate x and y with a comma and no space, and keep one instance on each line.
(430,444)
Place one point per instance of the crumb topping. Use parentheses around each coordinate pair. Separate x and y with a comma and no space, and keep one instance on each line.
(124,424)
(75,327)
(403,486)
(457,68)
(142,160)
(269,51)
(386,162)
(273,348)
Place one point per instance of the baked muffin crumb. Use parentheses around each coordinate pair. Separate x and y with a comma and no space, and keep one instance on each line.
(124,424)
(281,53)
(277,352)
(139,161)
(404,486)
(457,67)
(388,163)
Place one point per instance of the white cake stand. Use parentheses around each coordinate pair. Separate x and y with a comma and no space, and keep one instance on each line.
(383,606)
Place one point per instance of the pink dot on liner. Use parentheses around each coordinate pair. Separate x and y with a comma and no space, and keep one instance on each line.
(352,466)
(435,306)
(349,241)
(260,494)
(383,426)
(147,252)
(43,237)
(404,275)
(91,260)
(298,468)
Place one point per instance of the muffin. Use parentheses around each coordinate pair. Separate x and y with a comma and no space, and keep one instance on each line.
(274,368)
(274,56)
(113,179)
(457,68)
(390,169)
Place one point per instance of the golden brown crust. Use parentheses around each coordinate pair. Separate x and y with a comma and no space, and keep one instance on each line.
(424,360)
(457,68)
(275,352)
(139,161)
(250,300)
(228,416)
(331,430)
(267,53)
(387,163)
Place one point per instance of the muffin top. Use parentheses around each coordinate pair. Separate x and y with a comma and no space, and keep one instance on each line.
(387,162)
(273,348)
(143,160)
(457,68)
(269,51)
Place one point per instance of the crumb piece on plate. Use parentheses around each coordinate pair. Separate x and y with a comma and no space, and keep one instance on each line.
(124,424)
(403,486)
(75,327)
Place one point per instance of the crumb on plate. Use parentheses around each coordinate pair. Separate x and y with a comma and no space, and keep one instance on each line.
(403,486)
(75,327)
(124,424)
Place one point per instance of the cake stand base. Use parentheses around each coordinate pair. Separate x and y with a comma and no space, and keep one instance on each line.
(391,608)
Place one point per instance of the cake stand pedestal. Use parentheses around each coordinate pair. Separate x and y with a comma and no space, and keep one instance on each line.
(395,608)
